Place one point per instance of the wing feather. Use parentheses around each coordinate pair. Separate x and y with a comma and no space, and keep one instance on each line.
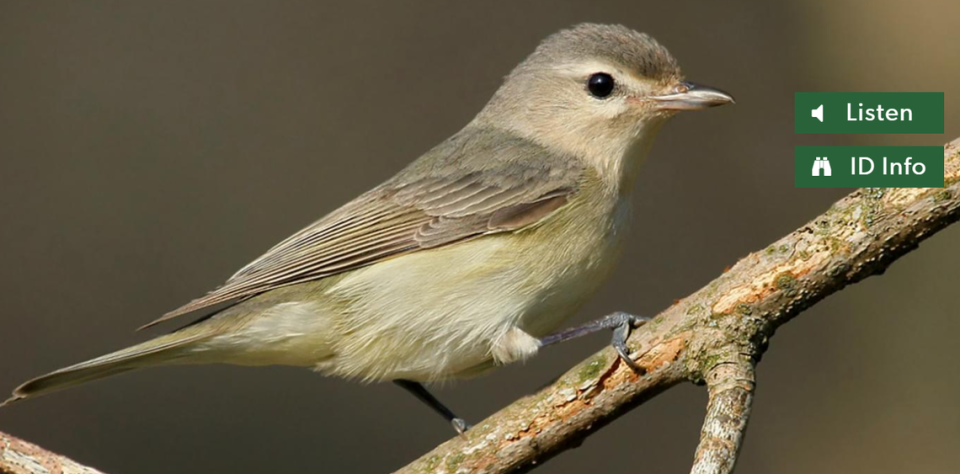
(461,190)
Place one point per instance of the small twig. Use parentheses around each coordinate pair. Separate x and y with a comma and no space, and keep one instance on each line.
(731,385)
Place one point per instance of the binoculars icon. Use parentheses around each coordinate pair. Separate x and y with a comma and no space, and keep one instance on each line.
(822,166)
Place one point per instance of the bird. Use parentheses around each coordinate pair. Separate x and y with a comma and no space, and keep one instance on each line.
(471,257)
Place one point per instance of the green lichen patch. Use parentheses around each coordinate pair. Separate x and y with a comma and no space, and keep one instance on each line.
(430,465)
(454,461)
(786,283)
(871,205)
(708,362)
(824,225)
(836,245)
(591,370)
(943,195)
(874,193)
(951,181)
(718,316)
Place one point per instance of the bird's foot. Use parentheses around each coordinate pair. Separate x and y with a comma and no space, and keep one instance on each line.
(624,323)
(621,323)
(460,425)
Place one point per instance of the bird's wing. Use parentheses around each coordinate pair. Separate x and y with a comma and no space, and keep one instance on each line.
(418,209)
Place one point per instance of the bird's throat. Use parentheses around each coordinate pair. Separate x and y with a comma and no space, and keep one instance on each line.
(620,165)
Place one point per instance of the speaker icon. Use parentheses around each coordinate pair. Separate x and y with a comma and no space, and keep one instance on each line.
(817,113)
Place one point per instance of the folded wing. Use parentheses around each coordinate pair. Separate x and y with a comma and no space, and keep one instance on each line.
(416,210)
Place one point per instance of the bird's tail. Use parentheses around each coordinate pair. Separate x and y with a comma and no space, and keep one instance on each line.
(158,351)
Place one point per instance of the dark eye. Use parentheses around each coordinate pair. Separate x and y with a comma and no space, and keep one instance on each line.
(600,85)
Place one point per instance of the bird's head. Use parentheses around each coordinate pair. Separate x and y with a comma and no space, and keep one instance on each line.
(596,91)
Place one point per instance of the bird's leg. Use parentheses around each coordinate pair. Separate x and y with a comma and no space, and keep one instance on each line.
(620,322)
(424,396)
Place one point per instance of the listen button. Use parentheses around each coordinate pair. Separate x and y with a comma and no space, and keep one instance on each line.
(868,112)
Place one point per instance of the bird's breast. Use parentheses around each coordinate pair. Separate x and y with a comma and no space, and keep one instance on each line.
(575,257)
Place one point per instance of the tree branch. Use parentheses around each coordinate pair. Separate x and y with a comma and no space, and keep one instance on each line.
(715,335)
(20,457)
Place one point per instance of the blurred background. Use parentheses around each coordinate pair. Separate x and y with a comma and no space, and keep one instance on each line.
(150,149)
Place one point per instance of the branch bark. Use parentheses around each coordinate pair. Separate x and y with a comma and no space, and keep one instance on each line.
(731,385)
(714,336)
(20,457)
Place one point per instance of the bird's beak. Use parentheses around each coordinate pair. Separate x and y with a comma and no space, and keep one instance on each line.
(689,96)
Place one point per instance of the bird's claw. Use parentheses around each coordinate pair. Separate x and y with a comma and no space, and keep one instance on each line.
(622,324)
(460,425)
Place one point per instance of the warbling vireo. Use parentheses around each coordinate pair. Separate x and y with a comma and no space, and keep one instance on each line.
(468,258)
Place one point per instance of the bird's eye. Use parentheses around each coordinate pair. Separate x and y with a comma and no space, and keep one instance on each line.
(600,85)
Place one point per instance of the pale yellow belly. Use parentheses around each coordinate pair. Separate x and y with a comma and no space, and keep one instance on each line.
(440,313)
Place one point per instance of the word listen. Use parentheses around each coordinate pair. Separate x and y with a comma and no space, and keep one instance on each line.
(892,168)
(879,114)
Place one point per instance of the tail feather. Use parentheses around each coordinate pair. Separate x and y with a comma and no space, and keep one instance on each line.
(153,352)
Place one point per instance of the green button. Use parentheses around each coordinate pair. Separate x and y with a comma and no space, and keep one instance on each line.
(868,112)
(868,166)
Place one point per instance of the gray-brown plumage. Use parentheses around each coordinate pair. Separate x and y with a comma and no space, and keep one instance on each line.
(501,184)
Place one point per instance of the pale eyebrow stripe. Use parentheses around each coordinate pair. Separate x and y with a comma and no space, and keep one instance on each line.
(586,68)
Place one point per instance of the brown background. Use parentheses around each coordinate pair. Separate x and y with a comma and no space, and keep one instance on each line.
(148,150)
